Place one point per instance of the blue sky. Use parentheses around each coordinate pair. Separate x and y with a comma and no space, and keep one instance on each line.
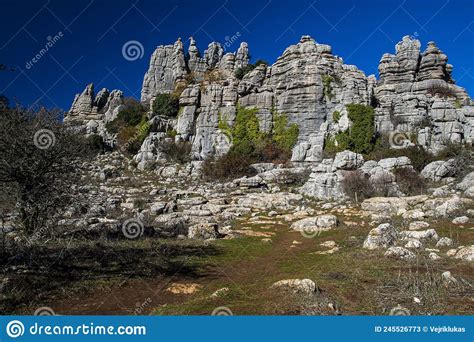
(93,32)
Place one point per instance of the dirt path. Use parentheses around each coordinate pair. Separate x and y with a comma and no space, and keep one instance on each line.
(245,266)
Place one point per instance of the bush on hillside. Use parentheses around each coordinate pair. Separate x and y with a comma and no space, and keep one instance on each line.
(245,133)
(241,72)
(418,156)
(131,114)
(166,105)
(462,154)
(283,135)
(357,186)
(96,143)
(360,137)
(409,181)
(229,166)
(250,145)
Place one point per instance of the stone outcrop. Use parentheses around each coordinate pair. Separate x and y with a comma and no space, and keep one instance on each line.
(440,169)
(90,112)
(383,236)
(415,94)
(325,181)
(88,106)
(167,66)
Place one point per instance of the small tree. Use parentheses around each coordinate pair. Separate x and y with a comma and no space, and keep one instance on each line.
(283,135)
(241,72)
(166,105)
(360,137)
(363,128)
(37,164)
(246,135)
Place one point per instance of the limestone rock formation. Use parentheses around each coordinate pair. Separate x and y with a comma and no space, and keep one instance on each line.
(93,111)
(415,94)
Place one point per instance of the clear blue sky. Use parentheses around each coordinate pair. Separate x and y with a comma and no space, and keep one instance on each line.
(94,31)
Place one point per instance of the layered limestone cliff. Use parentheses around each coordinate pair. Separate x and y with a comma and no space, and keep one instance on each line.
(415,94)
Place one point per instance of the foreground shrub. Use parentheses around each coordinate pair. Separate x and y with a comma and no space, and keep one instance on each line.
(409,181)
(229,166)
(357,186)
(38,161)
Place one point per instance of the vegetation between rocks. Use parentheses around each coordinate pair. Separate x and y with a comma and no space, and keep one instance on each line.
(251,145)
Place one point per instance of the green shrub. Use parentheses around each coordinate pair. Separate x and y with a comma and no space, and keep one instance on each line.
(360,137)
(142,130)
(336,116)
(224,126)
(246,135)
(166,105)
(327,86)
(241,72)
(250,145)
(362,132)
(285,137)
(131,114)
(418,155)
(171,133)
